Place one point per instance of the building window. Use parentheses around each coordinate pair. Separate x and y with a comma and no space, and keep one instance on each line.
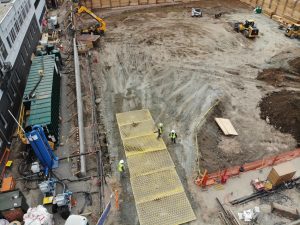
(20,19)
(13,90)
(28,42)
(42,15)
(26,7)
(10,99)
(3,51)
(25,49)
(12,34)
(17,26)
(23,61)
(33,29)
(30,33)
(3,121)
(18,76)
(23,13)
(36,3)
(8,41)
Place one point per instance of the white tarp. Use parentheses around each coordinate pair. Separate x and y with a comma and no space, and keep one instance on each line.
(3,222)
(38,216)
(250,214)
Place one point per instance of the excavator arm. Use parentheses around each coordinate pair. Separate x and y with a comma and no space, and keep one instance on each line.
(83,9)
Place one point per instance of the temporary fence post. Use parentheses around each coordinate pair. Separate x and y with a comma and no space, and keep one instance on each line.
(117,199)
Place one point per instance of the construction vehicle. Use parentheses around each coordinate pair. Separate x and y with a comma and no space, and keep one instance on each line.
(218,15)
(248,28)
(196,12)
(99,28)
(293,31)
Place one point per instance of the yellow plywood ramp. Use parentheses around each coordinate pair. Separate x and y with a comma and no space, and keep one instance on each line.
(157,189)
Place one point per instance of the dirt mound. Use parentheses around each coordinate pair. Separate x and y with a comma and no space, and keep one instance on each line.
(280,77)
(282,110)
(295,64)
(273,76)
(208,140)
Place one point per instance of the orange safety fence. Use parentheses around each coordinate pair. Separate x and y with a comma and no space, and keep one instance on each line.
(3,162)
(223,175)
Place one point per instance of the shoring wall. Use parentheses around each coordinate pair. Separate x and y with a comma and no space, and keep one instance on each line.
(289,10)
(98,4)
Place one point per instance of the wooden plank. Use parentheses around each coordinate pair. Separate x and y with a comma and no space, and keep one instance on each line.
(291,213)
(226,126)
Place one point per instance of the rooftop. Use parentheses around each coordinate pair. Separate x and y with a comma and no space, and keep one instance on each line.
(41,103)
(4,9)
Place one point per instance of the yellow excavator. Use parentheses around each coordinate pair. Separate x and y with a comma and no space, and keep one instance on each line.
(248,28)
(293,31)
(98,28)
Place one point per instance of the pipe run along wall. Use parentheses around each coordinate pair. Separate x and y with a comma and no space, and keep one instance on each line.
(288,9)
(79,110)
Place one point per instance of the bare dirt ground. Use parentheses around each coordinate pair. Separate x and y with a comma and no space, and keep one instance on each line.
(178,67)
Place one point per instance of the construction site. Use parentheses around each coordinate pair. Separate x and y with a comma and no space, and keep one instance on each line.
(157,113)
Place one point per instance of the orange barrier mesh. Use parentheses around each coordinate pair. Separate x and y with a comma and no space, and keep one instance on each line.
(215,177)
(3,162)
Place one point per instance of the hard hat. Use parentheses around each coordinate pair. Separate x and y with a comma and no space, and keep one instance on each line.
(172,131)
(121,161)
(160,124)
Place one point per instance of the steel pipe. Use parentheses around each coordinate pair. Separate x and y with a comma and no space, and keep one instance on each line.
(79,110)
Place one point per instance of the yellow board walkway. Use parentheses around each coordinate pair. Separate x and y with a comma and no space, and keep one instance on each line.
(157,189)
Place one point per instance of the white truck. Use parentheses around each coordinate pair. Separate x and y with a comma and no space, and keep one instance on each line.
(76,220)
(196,12)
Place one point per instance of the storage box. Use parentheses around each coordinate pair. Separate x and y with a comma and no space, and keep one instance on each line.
(8,184)
(281,173)
(12,205)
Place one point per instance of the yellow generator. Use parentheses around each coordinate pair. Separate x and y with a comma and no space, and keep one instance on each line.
(293,31)
(248,28)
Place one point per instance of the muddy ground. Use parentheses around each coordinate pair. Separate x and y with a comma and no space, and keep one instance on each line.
(282,110)
(178,67)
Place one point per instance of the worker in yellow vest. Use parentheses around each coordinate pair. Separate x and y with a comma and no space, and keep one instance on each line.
(121,167)
(173,136)
(159,130)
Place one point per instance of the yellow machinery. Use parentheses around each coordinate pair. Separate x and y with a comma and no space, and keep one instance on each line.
(248,28)
(293,31)
(20,121)
(98,28)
